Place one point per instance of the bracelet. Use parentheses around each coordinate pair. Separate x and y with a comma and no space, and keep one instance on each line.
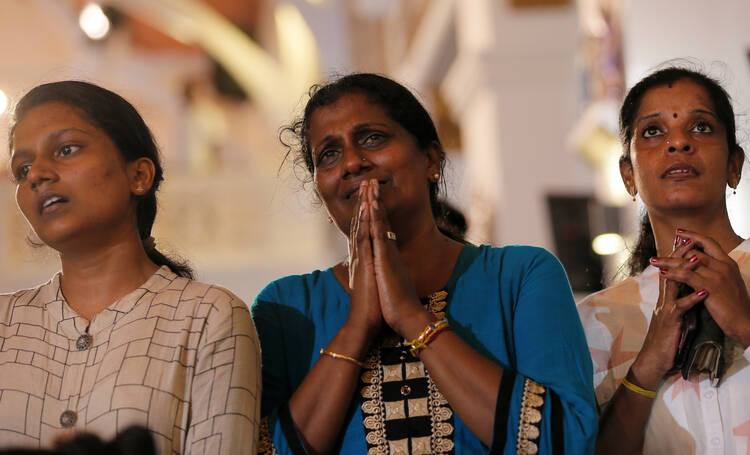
(639,390)
(342,357)
(427,336)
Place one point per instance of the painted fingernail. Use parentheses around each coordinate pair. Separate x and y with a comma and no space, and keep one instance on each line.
(680,230)
(702,292)
(677,241)
(693,258)
(686,242)
(663,271)
(654,259)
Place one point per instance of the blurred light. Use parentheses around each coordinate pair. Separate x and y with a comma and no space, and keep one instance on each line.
(3,102)
(316,2)
(93,21)
(606,244)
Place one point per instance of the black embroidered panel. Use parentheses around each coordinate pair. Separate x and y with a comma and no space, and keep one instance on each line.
(403,411)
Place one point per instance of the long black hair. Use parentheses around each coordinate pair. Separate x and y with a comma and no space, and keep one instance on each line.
(115,116)
(646,246)
(399,104)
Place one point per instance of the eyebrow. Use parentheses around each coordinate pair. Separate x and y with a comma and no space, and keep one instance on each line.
(52,136)
(694,111)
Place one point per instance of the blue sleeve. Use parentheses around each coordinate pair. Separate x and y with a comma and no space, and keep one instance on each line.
(549,349)
(278,433)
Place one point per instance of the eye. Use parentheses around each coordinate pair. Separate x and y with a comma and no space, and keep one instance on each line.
(702,127)
(372,139)
(651,131)
(20,172)
(68,149)
(326,156)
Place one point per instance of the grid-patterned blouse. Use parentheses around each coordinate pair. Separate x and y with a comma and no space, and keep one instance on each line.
(177,356)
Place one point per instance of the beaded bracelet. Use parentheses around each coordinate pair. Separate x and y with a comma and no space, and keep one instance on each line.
(427,336)
(323,351)
(638,389)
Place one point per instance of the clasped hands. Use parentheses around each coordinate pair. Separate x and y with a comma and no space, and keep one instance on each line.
(716,280)
(381,288)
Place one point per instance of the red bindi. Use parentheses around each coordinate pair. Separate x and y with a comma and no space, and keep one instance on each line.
(674,115)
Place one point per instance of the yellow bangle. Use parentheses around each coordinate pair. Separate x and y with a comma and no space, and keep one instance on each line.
(639,390)
(342,357)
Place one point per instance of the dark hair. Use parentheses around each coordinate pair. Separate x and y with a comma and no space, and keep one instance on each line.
(722,104)
(397,101)
(121,122)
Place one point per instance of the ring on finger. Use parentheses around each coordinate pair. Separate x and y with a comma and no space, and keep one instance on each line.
(390,235)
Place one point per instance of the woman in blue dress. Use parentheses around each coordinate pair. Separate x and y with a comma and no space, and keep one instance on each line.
(420,342)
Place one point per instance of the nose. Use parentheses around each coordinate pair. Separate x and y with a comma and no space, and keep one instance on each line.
(40,171)
(355,162)
(679,142)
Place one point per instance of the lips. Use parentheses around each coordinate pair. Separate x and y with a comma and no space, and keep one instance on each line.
(680,170)
(48,201)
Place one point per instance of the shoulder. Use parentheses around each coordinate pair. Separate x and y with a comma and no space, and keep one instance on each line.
(627,296)
(39,295)
(297,288)
(517,263)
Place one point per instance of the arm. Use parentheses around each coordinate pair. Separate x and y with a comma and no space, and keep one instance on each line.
(225,394)
(468,380)
(317,418)
(623,423)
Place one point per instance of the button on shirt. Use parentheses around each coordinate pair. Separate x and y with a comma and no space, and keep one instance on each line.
(177,356)
(688,416)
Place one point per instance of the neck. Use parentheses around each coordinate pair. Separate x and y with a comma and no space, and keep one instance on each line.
(429,255)
(95,277)
(714,224)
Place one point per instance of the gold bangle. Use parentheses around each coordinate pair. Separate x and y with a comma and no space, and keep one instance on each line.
(342,357)
(639,390)
(426,336)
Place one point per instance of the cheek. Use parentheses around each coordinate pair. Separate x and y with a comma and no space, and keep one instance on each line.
(24,201)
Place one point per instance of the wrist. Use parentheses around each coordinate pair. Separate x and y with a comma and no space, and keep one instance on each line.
(356,338)
(644,374)
(411,326)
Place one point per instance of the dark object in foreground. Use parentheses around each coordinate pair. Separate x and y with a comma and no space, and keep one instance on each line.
(133,441)
(701,347)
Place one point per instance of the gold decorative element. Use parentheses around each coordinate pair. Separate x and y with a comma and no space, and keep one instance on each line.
(376,411)
(265,443)
(530,416)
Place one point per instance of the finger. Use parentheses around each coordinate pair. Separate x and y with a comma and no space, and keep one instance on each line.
(681,246)
(709,245)
(689,277)
(685,303)
(690,262)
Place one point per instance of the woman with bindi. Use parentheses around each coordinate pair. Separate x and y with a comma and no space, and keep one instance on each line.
(666,381)
(420,342)
(122,335)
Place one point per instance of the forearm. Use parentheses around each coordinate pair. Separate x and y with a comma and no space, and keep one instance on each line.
(318,416)
(468,380)
(622,427)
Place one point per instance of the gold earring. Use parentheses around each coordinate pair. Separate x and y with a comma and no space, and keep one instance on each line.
(436,176)
(139,189)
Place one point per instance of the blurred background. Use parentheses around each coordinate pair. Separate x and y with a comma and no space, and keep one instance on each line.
(525,94)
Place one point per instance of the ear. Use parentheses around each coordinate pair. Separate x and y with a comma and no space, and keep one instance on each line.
(626,172)
(141,174)
(435,155)
(735,167)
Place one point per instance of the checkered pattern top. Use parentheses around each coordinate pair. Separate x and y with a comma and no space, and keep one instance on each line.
(177,356)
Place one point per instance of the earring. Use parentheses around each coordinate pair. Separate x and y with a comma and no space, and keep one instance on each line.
(139,189)
(436,176)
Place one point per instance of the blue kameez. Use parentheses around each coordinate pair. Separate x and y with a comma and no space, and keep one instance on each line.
(512,304)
